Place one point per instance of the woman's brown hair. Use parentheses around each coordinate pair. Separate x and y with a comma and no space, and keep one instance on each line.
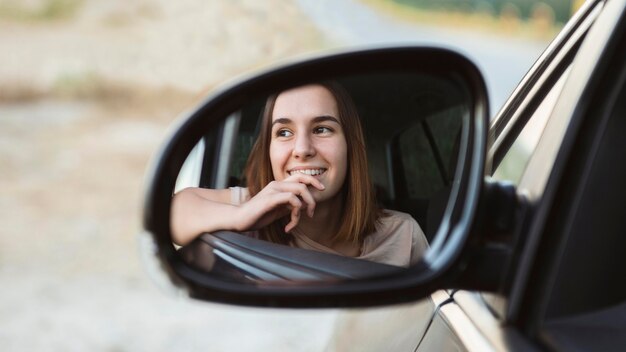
(360,210)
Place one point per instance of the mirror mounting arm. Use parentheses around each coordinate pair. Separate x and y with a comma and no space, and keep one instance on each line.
(494,239)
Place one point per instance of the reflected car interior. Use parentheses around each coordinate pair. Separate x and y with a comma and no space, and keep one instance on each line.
(412,125)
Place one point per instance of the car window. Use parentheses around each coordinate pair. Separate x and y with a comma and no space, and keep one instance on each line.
(189,175)
(427,154)
(195,171)
(423,163)
(420,163)
(514,163)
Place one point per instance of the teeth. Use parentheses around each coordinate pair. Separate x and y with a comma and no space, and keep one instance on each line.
(311,172)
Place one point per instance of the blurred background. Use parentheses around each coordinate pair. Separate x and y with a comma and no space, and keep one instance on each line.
(87,91)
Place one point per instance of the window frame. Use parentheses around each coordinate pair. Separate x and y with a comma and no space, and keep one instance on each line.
(549,224)
(508,124)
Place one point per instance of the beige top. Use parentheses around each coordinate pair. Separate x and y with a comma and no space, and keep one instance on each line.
(398,239)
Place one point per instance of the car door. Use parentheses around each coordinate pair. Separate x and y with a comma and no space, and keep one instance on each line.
(516,131)
(563,290)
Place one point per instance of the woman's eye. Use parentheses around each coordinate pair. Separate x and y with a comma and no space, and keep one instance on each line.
(322,129)
(284,133)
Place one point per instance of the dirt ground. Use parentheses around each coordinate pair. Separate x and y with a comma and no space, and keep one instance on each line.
(86,96)
(88,89)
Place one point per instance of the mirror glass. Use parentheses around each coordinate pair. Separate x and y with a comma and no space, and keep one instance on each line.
(375,156)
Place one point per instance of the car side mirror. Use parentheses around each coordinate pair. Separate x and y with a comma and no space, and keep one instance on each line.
(424,116)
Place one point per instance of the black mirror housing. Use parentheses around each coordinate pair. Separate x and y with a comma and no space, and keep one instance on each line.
(443,262)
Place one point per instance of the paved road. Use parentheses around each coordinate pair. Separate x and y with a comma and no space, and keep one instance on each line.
(502,60)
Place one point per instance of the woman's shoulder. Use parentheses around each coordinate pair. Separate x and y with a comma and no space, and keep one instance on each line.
(391,225)
(394,218)
(400,226)
(398,240)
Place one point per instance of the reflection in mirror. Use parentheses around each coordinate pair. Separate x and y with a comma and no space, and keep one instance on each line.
(328,181)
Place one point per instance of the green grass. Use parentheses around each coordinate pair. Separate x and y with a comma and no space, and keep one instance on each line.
(484,21)
(44,11)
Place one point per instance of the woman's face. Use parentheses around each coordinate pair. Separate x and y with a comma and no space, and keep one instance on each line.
(307,138)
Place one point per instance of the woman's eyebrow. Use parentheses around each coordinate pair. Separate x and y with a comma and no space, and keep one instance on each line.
(282,120)
(317,119)
(324,118)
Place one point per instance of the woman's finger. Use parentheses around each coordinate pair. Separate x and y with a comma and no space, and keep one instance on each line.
(306,179)
(296,207)
(299,189)
(306,196)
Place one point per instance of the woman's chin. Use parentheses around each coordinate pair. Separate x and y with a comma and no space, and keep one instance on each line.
(323,196)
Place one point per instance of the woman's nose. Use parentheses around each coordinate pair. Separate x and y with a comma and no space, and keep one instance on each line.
(303,147)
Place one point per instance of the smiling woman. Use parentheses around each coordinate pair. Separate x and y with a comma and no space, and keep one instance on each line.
(309,159)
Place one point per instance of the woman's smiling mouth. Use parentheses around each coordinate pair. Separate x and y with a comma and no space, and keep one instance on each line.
(310,172)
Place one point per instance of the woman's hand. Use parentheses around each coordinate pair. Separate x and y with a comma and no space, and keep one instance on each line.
(278,199)
(198,210)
